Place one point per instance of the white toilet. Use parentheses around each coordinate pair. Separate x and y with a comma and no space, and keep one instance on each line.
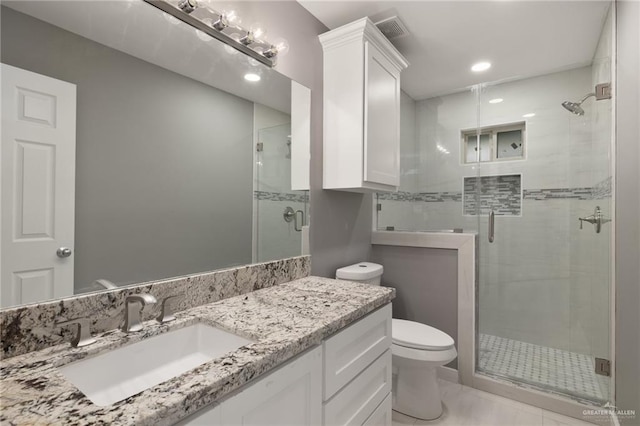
(417,351)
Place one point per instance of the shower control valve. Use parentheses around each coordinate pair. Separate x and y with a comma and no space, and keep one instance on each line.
(595,219)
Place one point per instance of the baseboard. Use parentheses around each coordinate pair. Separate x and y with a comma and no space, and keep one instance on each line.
(449,374)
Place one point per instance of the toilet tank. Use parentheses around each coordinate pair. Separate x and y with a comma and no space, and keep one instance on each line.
(365,272)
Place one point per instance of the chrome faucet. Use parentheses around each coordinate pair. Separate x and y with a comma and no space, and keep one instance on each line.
(132,311)
(83,331)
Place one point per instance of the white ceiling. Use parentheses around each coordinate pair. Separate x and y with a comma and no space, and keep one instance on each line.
(520,38)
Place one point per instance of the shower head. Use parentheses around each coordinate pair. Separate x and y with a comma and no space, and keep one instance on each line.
(575,107)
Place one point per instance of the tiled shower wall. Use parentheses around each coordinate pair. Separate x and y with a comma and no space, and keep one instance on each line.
(543,280)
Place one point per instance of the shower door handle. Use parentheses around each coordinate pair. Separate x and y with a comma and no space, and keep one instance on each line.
(292,215)
(295,222)
(492,227)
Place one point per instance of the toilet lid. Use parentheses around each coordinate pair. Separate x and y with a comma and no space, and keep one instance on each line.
(360,271)
(419,336)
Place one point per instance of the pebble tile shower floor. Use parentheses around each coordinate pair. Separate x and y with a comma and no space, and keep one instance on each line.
(556,370)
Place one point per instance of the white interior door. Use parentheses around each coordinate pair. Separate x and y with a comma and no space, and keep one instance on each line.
(38,187)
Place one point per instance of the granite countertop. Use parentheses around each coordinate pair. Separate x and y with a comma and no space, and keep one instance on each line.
(283,320)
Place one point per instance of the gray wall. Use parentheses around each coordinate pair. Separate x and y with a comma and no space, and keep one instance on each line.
(164,163)
(628,210)
(340,232)
(426,282)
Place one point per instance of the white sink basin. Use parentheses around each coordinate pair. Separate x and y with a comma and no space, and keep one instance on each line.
(126,371)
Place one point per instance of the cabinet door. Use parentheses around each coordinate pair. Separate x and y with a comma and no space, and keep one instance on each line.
(382,119)
(356,402)
(289,396)
(382,415)
(349,352)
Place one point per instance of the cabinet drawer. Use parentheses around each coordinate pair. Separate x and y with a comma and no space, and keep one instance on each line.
(356,402)
(382,415)
(350,351)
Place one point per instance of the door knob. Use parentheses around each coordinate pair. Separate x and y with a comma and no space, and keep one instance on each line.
(63,252)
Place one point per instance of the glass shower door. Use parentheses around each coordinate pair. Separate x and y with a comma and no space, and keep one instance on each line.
(280,211)
(543,317)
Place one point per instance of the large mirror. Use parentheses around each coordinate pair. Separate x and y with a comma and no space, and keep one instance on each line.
(136,148)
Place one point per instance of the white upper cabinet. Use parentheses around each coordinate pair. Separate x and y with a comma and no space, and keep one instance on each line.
(361,109)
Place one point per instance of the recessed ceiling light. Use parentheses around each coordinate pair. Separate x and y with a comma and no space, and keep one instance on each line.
(481,66)
(531,114)
(252,77)
(496,101)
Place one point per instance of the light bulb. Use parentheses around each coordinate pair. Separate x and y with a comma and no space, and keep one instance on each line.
(258,30)
(232,17)
(281,45)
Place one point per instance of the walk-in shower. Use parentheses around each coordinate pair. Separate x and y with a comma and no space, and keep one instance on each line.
(276,237)
(543,285)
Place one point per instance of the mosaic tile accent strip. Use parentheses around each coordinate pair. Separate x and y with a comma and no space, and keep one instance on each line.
(427,197)
(502,194)
(603,189)
(396,196)
(600,191)
(558,194)
(300,197)
(438,197)
(564,372)
(30,328)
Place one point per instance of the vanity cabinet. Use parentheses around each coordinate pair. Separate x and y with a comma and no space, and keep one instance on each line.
(290,395)
(361,109)
(357,372)
(345,381)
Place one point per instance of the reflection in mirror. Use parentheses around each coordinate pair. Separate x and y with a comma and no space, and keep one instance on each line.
(135,149)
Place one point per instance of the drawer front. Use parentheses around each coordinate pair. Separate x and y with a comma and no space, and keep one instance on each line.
(382,415)
(350,351)
(355,403)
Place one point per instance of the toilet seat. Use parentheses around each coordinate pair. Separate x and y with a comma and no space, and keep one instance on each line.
(414,335)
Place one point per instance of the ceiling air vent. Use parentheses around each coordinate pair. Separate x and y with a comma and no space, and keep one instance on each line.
(392,28)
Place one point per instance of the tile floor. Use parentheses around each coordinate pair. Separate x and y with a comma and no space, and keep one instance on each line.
(554,369)
(465,406)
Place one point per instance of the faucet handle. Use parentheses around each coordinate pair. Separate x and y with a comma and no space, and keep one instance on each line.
(83,333)
(166,311)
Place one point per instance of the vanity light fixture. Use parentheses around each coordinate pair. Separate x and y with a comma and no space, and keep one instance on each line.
(529,115)
(496,100)
(252,77)
(225,26)
(480,66)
